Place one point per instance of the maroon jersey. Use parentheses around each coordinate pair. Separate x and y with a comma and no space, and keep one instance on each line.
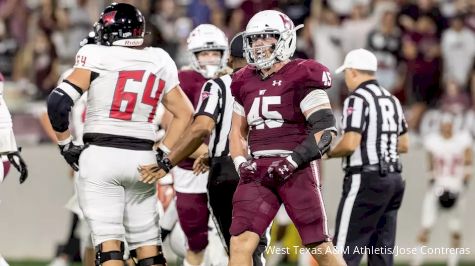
(272,106)
(191,83)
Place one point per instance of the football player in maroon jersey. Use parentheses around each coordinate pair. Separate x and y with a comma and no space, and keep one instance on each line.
(282,124)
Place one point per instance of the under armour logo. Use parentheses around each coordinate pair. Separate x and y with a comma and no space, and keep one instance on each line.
(276,82)
(283,170)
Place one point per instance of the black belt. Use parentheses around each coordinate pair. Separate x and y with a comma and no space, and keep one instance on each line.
(382,168)
(116,141)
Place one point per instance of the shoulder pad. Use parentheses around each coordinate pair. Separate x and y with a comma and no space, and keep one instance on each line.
(314,74)
(89,57)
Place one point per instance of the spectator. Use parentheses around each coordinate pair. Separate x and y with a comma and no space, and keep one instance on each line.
(251,7)
(470,15)
(356,28)
(458,50)
(385,43)
(455,99)
(74,24)
(8,48)
(15,13)
(422,55)
(325,34)
(410,13)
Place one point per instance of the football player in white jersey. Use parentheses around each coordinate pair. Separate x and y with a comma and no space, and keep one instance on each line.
(125,83)
(9,153)
(450,168)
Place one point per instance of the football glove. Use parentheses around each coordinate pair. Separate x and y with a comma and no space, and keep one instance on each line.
(281,170)
(17,161)
(247,171)
(71,153)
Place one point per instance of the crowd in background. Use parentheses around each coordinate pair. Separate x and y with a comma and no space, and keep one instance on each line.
(425,48)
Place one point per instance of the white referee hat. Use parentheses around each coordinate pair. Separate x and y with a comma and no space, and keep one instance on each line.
(360,59)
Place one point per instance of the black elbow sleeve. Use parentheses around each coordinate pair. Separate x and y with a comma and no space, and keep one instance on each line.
(59,105)
(309,149)
(322,119)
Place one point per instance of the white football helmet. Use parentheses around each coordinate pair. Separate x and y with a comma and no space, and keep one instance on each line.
(265,24)
(207,37)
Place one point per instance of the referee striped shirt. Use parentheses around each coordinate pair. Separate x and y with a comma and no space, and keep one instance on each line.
(377,115)
(217,102)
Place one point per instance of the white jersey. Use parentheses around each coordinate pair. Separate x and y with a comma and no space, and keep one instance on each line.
(123,99)
(7,139)
(448,158)
(5,117)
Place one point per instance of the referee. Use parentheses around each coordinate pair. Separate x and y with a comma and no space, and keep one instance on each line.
(374,134)
(214,118)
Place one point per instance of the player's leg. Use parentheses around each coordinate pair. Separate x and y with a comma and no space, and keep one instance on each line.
(455,227)
(281,222)
(254,207)
(242,247)
(222,183)
(141,216)
(193,214)
(303,202)
(87,248)
(102,201)
(429,214)
(385,235)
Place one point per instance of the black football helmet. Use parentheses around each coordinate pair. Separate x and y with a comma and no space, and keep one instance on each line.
(120,24)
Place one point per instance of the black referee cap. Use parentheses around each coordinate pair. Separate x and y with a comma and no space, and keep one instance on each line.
(237,46)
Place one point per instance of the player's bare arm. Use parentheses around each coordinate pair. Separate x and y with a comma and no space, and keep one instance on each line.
(60,102)
(238,139)
(191,144)
(192,141)
(180,107)
(182,110)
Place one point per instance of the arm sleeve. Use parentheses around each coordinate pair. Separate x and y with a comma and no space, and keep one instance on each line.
(354,112)
(210,100)
(314,99)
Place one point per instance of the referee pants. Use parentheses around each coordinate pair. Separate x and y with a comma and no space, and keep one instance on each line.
(222,182)
(367,217)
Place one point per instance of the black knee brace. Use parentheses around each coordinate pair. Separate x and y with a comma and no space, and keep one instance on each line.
(102,257)
(155,260)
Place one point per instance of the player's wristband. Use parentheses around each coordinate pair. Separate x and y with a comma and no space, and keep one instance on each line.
(291,161)
(238,161)
(165,164)
(164,148)
(65,141)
